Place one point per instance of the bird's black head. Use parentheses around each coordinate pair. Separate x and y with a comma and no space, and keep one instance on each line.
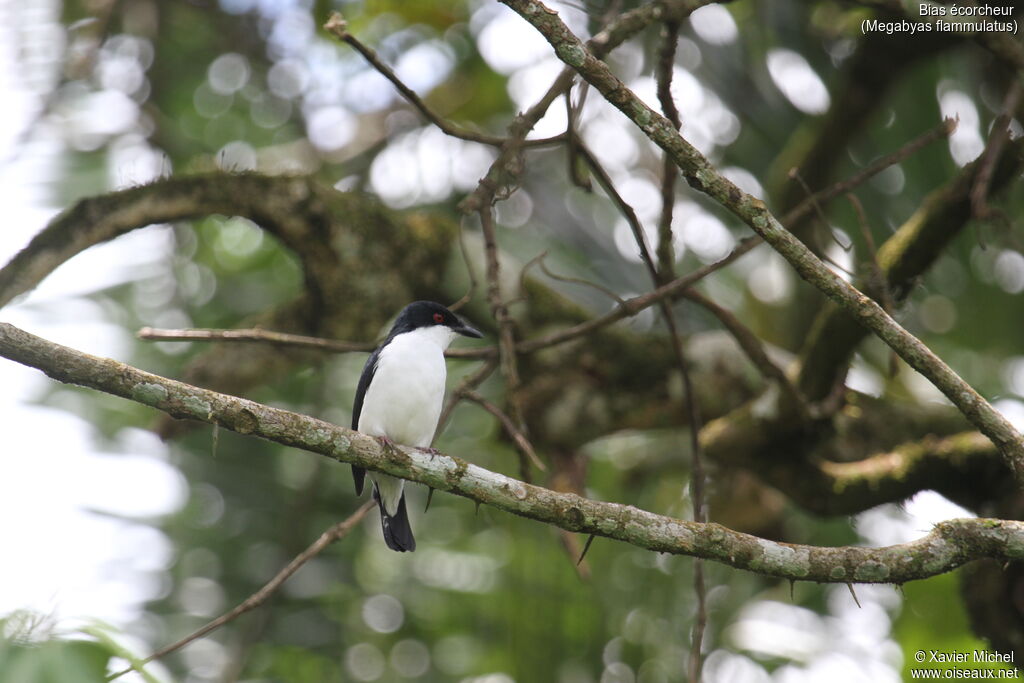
(420,314)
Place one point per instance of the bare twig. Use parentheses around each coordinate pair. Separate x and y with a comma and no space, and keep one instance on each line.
(670,172)
(338,27)
(665,271)
(624,208)
(626,308)
(794,174)
(997,138)
(634,305)
(576,174)
(469,269)
(578,281)
(254,335)
(522,443)
(335,533)
(752,347)
(879,283)
(471,381)
(943,130)
(506,325)
(878,276)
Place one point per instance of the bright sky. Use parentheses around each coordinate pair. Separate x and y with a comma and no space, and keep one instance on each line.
(68,552)
(57,490)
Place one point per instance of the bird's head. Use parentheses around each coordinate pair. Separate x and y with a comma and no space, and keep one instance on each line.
(428,314)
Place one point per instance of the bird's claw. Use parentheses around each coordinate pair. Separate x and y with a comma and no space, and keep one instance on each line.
(386,442)
(432,451)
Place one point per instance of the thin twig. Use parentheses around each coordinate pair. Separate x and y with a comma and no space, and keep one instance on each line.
(794,174)
(576,174)
(605,181)
(635,305)
(469,269)
(539,258)
(630,307)
(335,533)
(877,279)
(627,308)
(997,138)
(254,335)
(525,447)
(471,381)
(943,130)
(295,523)
(338,27)
(665,271)
(506,325)
(578,281)
(752,347)
(669,172)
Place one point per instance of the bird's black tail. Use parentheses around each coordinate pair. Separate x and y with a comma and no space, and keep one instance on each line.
(397,532)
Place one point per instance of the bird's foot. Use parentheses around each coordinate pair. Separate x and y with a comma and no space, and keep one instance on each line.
(386,442)
(432,451)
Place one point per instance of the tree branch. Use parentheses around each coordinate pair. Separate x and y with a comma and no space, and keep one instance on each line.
(522,443)
(704,177)
(949,545)
(338,27)
(255,334)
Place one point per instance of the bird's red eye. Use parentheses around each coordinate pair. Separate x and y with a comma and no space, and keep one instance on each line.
(438,318)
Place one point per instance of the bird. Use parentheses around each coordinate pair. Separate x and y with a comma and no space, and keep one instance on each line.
(398,400)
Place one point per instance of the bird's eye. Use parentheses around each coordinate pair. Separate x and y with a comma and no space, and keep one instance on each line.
(438,318)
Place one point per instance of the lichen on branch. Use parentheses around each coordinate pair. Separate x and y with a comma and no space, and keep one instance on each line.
(949,545)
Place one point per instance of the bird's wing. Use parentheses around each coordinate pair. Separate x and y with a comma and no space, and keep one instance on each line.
(358,473)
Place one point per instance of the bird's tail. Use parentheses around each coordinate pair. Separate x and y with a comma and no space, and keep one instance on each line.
(358,475)
(397,532)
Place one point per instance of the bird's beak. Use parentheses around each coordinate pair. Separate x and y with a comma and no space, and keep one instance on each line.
(467,330)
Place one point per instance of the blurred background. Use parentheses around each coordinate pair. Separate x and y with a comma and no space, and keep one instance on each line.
(117,542)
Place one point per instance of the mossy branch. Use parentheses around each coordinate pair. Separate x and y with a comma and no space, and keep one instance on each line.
(949,545)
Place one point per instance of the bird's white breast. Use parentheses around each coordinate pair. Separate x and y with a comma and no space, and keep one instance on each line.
(404,399)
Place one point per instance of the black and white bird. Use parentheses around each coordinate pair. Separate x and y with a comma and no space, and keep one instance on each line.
(399,399)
